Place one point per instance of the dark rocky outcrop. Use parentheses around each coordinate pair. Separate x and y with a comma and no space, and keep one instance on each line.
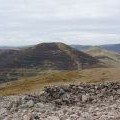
(83,93)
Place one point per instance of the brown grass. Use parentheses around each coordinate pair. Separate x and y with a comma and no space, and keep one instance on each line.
(36,84)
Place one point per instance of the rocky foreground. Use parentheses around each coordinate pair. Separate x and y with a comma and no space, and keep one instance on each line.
(100,101)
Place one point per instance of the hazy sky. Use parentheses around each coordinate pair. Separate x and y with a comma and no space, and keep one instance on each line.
(24,22)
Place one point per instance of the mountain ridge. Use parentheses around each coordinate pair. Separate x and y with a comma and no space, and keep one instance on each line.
(54,55)
(110,58)
(111,47)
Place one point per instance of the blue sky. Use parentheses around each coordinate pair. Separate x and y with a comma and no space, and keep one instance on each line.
(26,22)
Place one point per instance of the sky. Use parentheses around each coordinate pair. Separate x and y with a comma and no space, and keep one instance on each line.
(84,22)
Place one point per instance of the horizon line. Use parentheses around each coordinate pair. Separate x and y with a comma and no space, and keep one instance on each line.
(60,42)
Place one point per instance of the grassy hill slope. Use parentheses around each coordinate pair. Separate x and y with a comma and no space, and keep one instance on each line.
(110,58)
(36,84)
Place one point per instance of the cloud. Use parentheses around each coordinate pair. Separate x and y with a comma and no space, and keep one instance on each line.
(70,21)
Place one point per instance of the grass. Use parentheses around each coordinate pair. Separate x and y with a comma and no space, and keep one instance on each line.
(37,83)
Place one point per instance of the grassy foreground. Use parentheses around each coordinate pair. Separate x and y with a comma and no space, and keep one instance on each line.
(37,83)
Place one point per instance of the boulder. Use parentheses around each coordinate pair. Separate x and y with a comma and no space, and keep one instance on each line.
(30,103)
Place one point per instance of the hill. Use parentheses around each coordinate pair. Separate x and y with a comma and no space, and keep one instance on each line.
(111,47)
(47,56)
(81,47)
(37,83)
(110,58)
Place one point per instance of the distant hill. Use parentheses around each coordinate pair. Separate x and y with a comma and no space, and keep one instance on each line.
(6,47)
(110,58)
(111,47)
(47,56)
(81,47)
(14,47)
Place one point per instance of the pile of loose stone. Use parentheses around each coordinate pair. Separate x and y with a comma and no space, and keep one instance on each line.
(95,101)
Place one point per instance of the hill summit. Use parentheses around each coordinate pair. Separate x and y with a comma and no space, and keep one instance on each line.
(47,56)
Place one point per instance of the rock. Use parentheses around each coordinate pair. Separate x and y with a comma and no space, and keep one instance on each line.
(3,112)
(27,116)
(39,105)
(53,118)
(118,91)
(69,102)
(86,116)
(84,98)
(30,103)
